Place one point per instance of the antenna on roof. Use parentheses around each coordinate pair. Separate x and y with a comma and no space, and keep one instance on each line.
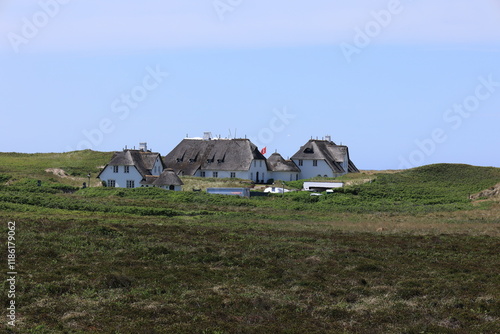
(235,132)
(229,134)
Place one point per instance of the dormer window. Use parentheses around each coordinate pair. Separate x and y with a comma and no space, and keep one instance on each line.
(308,150)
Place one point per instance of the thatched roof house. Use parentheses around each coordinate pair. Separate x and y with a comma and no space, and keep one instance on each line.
(323,158)
(217,158)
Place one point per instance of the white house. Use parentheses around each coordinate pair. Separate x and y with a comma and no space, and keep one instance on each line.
(138,168)
(323,158)
(281,169)
(218,158)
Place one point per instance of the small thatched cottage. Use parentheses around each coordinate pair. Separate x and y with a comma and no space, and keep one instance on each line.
(281,169)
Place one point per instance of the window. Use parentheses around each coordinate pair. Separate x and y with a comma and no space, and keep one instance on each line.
(111,183)
(171,187)
(233,174)
(126,169)
(296,177)
(202,174)
(291,177)
(260,163)
(301,162)
(315,163)
(215,174)
(130,184)
(255,163)
(115,169)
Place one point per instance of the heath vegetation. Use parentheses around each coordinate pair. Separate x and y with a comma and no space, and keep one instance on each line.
(398,252)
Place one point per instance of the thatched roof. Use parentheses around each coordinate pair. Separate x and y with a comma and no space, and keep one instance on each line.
(168,178)
(326,150)
(190,155)
(277,163)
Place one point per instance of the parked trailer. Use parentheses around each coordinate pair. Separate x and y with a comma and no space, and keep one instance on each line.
(242,192)
(322,186)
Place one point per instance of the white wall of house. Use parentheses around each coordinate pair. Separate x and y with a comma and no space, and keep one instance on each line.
(310,169)
(175,188)
(157,168)
(258,171)
(223,174)
(258,168)
(285,176)
(120,179)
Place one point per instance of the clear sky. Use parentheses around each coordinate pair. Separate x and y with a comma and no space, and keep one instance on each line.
(402,83)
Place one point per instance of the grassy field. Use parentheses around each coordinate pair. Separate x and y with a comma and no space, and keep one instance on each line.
(407,252)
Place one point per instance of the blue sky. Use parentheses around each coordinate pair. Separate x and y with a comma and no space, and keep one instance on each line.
(402,83)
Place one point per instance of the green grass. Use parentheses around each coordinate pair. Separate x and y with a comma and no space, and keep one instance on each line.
(76,164)
(406,253)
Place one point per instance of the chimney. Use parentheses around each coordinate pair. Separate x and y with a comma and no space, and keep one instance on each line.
(328,138)
(143,147)
(207,135)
